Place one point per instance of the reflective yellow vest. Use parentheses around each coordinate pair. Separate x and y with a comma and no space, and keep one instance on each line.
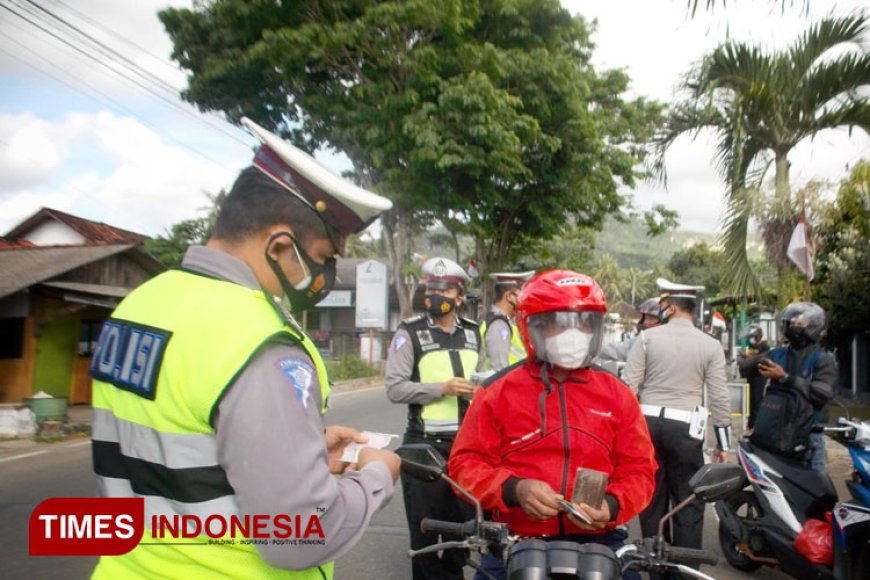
(440,357)
(160,369)
(517,350)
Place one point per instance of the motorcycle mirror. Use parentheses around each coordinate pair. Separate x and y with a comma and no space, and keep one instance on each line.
(716,480)
(422,461)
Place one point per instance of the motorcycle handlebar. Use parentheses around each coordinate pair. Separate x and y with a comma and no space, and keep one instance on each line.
(452,529)
(691,556)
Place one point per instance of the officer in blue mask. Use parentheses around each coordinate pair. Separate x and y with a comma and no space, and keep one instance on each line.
(428,366)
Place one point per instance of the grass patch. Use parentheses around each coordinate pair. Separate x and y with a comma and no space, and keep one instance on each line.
(349,367)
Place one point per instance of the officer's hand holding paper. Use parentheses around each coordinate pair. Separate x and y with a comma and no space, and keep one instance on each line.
(374,440)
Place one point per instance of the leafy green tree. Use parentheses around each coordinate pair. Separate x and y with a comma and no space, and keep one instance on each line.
(485,115)
(612,278)
(760,106)
(803,5)
(170,249)
(700,265)
(571,250)
(843,261)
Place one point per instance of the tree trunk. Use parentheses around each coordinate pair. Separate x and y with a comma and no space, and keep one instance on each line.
(483,269)
(781,183)
(397,238)
(784,212)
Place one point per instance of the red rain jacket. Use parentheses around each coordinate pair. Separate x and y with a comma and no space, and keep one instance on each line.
(591,420)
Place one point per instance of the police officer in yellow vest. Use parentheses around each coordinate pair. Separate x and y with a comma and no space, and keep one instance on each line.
(209,399)
(502,344)
(428,365)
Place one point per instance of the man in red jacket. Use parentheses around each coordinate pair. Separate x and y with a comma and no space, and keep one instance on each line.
(526,434)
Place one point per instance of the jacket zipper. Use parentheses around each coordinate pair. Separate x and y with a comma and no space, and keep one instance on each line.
(563,409)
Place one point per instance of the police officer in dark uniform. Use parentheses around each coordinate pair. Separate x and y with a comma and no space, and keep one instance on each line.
(757,346)
(428,367)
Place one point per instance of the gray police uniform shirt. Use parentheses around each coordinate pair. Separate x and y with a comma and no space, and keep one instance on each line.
(671,372)
(270,436)
(400,366)
(497,343)
(617,351)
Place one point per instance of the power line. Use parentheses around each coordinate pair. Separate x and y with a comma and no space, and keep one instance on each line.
(116,59)
(109,59)
(106,100)
(110,32)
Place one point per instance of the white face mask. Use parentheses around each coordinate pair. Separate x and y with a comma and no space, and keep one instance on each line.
(567,349)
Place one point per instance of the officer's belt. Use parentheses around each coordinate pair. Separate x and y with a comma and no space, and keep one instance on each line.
(667,413)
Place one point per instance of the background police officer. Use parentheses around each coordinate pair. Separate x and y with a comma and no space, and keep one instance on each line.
(757,345)
(208,398)
(428,365)
(502,344)
(649,318)
(670,372)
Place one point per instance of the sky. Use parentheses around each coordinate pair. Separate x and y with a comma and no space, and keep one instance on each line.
(79,138)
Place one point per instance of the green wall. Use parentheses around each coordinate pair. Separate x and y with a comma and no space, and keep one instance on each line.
(55,348)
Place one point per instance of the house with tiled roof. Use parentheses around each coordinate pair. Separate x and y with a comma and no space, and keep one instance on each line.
(60,278)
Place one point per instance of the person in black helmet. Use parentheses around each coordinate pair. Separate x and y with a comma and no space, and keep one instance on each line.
(804,366)
(757,346)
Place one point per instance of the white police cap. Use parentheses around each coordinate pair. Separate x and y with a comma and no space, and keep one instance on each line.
(511,278)
(445,270)
(670,289)
(343,207)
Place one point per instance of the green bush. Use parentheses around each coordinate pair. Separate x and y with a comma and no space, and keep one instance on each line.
(349,367)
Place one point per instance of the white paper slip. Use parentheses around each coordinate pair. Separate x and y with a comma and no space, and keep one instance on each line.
(376,440)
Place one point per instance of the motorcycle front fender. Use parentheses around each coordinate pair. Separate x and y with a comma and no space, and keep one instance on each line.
(729,519)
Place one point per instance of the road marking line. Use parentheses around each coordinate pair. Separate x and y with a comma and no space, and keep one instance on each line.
(22,456)
(79,444)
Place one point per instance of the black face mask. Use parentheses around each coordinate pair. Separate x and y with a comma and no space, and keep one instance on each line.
(796,336)
(312,289)
(437,305)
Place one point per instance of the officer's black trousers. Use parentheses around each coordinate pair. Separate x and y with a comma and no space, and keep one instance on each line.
(433,500)
(679,457)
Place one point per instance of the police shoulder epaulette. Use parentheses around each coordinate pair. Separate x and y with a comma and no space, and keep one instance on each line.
(413,319)
(468,321)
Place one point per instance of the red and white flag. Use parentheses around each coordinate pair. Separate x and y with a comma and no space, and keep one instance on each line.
(472,269)
(718,320)
(800,249)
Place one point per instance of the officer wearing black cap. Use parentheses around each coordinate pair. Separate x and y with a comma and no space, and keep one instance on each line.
(209,399)
(672,371)
(428,366)
(502,344)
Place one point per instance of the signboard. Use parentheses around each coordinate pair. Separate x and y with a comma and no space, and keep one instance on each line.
(371,295)
(337,299)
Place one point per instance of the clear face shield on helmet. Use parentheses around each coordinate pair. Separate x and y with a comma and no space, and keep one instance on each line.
(566,339)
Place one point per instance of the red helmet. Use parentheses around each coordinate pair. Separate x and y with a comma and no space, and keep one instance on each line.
(561,291)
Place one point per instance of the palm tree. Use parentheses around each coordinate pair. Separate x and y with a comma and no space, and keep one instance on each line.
(762,105)
(804,5)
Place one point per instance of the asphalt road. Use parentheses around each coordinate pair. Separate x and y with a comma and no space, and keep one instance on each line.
(49,470)
(63,470)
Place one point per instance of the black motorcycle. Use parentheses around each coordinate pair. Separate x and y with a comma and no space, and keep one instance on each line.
(759,522)
(539,559)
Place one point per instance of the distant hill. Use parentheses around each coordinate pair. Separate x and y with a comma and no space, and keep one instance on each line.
(632,248)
